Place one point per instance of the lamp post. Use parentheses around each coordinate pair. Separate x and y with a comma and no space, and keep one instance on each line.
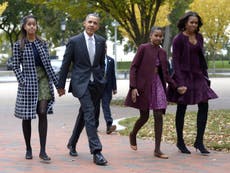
(63,28)
(115,24)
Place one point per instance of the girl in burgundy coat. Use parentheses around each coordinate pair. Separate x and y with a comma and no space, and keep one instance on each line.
(190,71)
(148,77)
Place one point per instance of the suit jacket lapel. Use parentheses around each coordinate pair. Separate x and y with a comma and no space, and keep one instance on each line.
(84,47)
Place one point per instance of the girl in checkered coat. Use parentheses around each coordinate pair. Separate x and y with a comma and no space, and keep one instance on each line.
(35,77)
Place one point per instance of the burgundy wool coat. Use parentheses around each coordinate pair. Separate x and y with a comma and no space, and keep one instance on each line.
(194,77)
(142,71)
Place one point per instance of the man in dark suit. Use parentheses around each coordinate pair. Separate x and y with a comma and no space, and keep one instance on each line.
(110,88)
(86,51)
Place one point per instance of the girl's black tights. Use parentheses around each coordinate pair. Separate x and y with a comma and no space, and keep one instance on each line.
(42,123)
(42,126)
(158,125)
(26,128)
(144,116)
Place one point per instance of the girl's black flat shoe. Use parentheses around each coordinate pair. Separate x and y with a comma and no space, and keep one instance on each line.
(29,154)
(44,157)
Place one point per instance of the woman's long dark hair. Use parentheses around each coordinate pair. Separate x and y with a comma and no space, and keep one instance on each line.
(184,19)
(23,31)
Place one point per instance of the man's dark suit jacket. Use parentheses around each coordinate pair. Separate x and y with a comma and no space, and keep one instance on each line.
(110,76)
(77,53)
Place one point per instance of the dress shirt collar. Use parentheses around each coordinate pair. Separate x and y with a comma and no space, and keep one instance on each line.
(87,36)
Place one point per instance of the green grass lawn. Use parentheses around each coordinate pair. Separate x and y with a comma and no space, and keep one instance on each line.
(124,65)
(219,64)
(217,135)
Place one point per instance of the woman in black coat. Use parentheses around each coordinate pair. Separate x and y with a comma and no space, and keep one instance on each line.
(35,77)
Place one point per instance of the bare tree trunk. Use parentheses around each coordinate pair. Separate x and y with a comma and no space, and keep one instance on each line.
(167,42)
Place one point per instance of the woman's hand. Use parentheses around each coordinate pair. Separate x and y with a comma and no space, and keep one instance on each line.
(134,95)
(182,89)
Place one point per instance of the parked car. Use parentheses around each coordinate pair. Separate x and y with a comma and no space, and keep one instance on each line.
(9,63)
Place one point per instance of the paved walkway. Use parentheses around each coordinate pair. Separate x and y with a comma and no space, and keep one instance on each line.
(115,147)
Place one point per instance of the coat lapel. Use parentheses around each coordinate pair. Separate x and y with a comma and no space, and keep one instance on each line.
(41,49)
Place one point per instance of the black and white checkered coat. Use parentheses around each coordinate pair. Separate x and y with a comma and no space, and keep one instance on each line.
(25,71)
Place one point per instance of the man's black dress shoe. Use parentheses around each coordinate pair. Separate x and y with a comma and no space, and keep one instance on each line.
(99,159)
(111,129)
(72,151)
(29,154)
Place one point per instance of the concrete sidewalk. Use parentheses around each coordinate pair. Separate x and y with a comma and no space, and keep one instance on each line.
(115,147)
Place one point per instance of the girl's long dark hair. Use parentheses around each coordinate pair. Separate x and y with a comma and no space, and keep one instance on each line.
(23,31)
